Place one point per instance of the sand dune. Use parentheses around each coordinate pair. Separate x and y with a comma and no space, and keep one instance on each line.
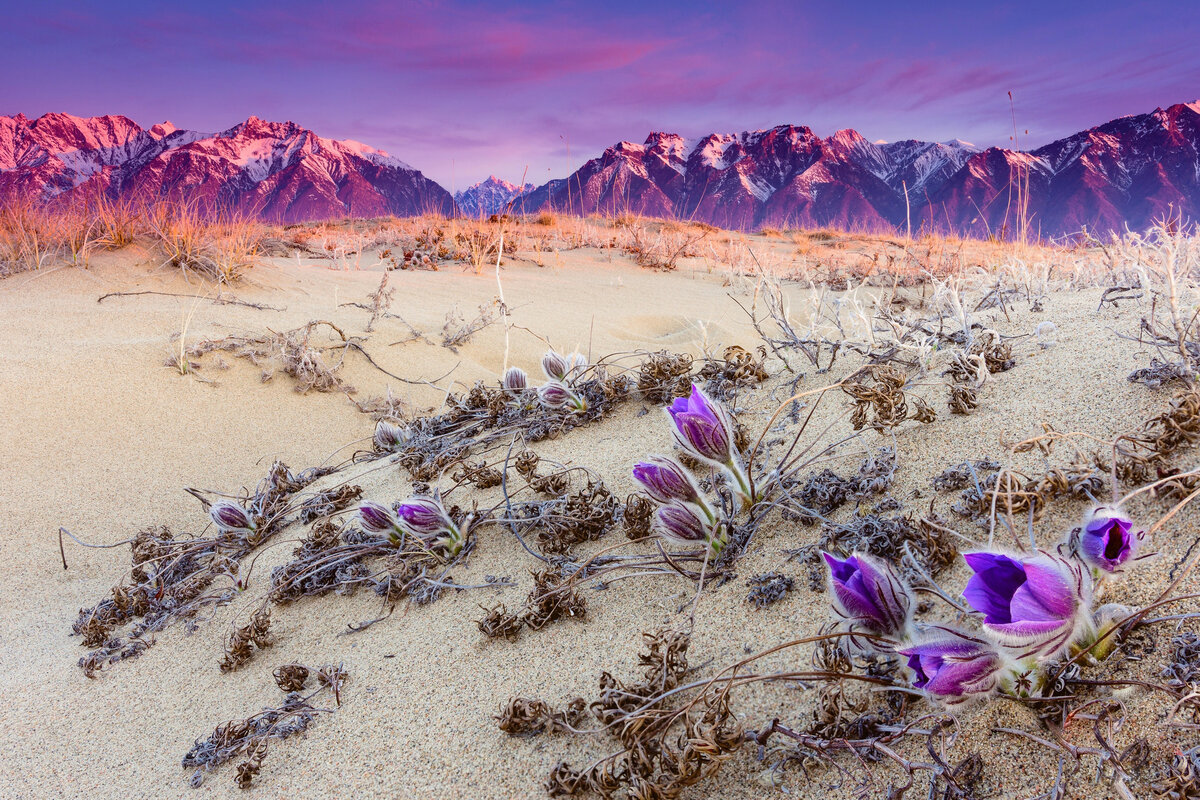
(101,438)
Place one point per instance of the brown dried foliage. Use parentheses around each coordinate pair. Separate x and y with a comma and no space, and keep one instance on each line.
(882,404)
(242,642)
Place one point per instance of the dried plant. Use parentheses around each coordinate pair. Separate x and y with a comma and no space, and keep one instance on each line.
(457,331)
(175,578)
(882,404)
(768,588)
(250,737)
(291,351)
(238,648)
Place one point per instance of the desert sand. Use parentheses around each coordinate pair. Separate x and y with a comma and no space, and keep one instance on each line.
(99,437)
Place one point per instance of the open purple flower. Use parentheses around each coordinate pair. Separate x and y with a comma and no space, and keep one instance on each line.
(426,519)
(952,665)
(230,517)
(1035,606)
(868,595)
(515,380)
(555,366)
(684,523)
(665,479)
(1108,539)
(376,518)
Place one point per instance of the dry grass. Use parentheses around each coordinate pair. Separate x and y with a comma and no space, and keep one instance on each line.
(217,246)
(221,247)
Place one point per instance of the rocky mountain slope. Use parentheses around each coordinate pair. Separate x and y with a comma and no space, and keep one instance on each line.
(275,170)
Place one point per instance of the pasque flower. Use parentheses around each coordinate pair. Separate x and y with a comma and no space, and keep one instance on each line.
(389,435)
(515,380)
(555,366)
(376,518)
(426,519)
(230,517)
(703,428)
(869,596)
(556,394)
(952,665)
(576,363)
(665,479)
(1035,606)
(685,523)
(1108,539)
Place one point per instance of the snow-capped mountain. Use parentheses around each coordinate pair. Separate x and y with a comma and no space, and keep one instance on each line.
(489,197)
(785,176)
(1126,173)
(276,170)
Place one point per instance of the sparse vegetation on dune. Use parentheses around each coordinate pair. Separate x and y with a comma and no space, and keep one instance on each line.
(800,440)
(222,247)
(789,464)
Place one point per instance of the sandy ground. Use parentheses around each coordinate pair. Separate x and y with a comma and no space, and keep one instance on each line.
(100,437)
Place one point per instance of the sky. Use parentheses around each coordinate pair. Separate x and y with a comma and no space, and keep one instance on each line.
(462,90)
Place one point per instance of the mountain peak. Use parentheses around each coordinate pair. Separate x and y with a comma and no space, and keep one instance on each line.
(275,170)
(165,128)
(491,196)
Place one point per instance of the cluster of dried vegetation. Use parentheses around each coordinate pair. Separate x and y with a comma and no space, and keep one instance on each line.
(903,331)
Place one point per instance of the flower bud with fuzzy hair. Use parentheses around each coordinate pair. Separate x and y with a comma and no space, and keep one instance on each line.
(515,380)
(685,523)
(555,394)
(868,595)
(665,479)
(576,363)
(426,519)
(378,519)
(703,428)
(389,436)
(555,366)
(230,517)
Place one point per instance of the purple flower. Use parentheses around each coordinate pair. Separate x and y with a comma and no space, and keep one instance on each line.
(1037,606)
(665,479)
(868,594)
(952,665)
(702,427)
(555,394)
(376,518)
(1108,539)
(555,366)
(515,380)
(684,523)
(426,519)
(230,516)
(422,517)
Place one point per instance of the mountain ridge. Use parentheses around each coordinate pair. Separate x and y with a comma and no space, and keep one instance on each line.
(275,170)
(1123,174)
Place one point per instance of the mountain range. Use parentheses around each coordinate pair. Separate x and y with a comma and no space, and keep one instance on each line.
(1127,173)
(275,170)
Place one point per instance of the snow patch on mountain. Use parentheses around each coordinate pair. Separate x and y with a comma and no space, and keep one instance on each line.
(492,196)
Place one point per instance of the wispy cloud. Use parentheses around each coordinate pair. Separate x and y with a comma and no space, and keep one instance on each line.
(463,89)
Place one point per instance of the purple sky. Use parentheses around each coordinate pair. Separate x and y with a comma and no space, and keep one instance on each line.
(462,89)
